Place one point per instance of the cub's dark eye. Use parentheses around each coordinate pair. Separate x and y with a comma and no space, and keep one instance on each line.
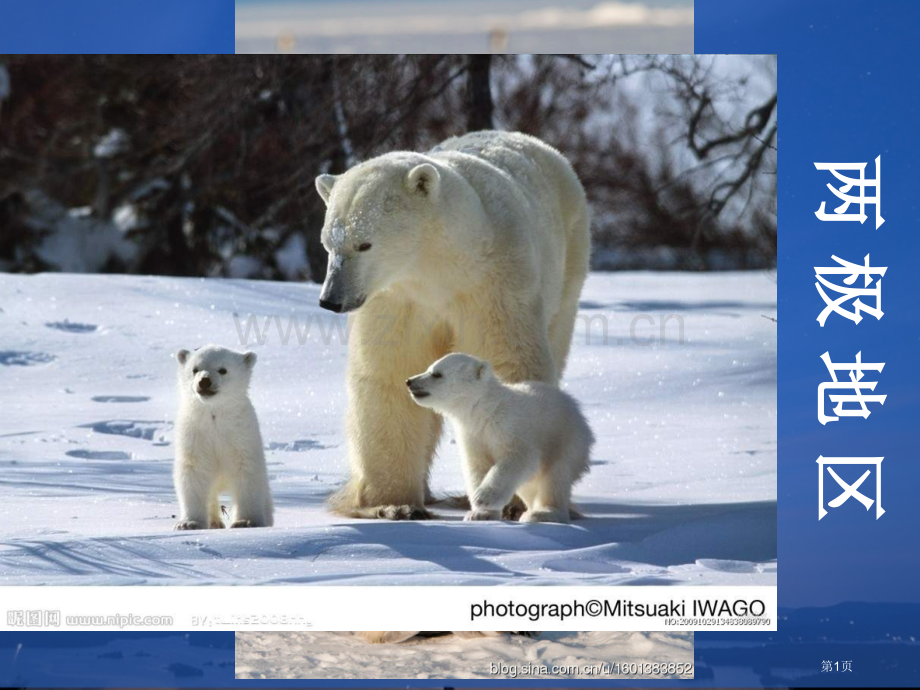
(436,375)
(195,370)
(221,371)
(364,246)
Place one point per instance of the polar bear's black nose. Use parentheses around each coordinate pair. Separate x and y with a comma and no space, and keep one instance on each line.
(408,382)
(205,382)
(331,306)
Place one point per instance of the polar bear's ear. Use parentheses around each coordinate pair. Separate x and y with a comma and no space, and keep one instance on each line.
(481,370)
(324,186)
(424,179)
(182,356)
(249,359)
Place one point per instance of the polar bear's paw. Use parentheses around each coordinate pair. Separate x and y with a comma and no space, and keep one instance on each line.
(514,509)
(217,524)
(404,512)
(546,515)
(480,514)
(244,523)
(188,524)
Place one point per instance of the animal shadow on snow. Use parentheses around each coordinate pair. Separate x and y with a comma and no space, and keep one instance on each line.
(660,535)
(724,307)
(16,358)
(72,326)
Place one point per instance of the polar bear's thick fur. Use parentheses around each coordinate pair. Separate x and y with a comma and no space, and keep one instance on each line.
(218,444)
(480,245)
(527,438)
(379,637)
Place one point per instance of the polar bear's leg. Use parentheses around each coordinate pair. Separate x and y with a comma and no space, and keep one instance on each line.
(514,338)
(502,480)
(194,484)
(476,465)
(214,516)
(551,488)
(252,506)
(391,439)
(391,444)
(562,323)
(548,497)
(546,515)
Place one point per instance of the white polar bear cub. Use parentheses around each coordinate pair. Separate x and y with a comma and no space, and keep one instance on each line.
(527,438)
(218,444)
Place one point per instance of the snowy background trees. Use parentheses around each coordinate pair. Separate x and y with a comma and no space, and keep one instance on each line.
(204,165)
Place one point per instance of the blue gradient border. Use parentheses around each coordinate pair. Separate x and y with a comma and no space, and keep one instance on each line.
(848,93)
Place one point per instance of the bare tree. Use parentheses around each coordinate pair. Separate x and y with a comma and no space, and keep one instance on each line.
(224,151)
(479,87)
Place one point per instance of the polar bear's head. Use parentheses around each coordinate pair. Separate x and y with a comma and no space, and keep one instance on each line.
(214,375)
(376,214)
(452,383)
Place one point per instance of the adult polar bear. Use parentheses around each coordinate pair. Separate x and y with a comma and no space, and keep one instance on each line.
(479,246)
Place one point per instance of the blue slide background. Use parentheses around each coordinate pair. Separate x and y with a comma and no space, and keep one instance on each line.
(848,585)
(848,93)
(117,26)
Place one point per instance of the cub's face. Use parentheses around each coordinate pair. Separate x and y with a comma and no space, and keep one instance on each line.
(214,375)
(450,383)
(375,214)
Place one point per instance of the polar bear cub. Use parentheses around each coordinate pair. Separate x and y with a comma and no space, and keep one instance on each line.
(527,438)
(218,444)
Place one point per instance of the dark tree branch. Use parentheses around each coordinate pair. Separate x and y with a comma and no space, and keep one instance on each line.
(479,90)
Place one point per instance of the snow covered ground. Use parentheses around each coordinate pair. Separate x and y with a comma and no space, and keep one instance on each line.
(421,26)
(317,655)
(682,488)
